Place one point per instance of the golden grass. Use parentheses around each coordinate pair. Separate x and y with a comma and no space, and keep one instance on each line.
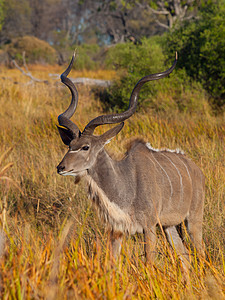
(53,245)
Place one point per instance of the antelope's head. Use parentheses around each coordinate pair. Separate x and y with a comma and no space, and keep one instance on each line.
(85,146)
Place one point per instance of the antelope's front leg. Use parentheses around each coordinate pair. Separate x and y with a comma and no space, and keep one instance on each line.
(150,243)
(116,242)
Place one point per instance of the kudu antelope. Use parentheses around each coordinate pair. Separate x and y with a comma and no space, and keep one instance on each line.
(147,187)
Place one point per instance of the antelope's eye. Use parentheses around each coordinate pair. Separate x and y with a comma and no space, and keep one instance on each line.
(85,148)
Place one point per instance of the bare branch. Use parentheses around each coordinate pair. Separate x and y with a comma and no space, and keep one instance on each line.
(24,62)
(158,12)
(85,81)
(27,73)
(162,25)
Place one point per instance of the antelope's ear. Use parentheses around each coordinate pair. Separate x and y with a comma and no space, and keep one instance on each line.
(66,135)
(111,133)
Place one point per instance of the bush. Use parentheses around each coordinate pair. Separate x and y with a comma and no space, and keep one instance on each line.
(176,92)
(36,50)
(132,63)
(201,47)
(86,57)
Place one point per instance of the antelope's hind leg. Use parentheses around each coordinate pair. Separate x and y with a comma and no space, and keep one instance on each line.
(194,229)
(176,242)
(194,222)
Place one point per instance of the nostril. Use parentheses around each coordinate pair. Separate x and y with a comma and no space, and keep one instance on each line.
(60,168)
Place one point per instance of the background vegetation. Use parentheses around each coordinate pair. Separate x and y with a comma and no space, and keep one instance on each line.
(153,31)
(36,51)
(132,62)
(201,45)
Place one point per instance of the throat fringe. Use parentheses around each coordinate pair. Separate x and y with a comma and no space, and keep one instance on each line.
(116,219)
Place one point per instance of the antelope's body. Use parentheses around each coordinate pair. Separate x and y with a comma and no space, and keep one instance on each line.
(147,187)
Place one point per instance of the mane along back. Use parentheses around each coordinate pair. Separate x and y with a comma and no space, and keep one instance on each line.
(134,143)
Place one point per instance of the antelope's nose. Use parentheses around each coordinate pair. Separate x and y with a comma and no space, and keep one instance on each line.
(60,168)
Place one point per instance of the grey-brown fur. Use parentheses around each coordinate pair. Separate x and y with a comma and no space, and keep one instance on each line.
(147,187)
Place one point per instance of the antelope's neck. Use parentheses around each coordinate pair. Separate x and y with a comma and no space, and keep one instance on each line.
(105,172)
(114,178)
(110,192)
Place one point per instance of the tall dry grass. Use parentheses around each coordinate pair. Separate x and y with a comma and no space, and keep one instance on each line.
(53,246)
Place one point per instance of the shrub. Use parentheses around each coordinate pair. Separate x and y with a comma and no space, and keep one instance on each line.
(86,57)
(201,47)
(135,61)
(37,51)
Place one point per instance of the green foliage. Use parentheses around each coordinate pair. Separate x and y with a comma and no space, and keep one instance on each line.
(17,19)
(36,50)
(2,13)
(86,57)
(133,62)
(201,47)
(201,64)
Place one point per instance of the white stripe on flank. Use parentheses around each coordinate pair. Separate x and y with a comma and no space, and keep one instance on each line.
(181,182)
(171,187)
(186,169)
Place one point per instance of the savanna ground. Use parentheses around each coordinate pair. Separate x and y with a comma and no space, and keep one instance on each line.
(52,244)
